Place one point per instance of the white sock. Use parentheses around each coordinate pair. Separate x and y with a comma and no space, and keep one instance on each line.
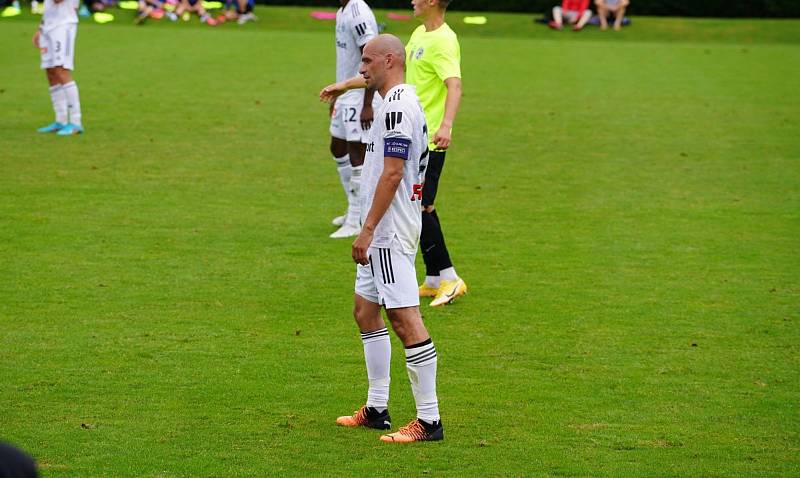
(73,102)
(448,274)
(421,366)
(378,355)
(432,282)
(59,99)
(354,205)
(343,167)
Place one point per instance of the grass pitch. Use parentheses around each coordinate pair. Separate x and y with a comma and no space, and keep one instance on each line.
(624,207)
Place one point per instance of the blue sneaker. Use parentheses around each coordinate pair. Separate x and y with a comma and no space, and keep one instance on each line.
(70,129)
(52,127)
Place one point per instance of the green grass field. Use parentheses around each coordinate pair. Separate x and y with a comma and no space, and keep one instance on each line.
(624,207)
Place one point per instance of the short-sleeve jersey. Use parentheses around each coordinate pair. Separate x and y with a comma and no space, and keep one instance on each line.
(399,131)
(432,57)
(57,14)
(355,26)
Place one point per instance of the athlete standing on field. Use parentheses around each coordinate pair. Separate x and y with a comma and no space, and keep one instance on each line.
(351,115)
(391,197)
(434,67)
(433,64)
(55,39)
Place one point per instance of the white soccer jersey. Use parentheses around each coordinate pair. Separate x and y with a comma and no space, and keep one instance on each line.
(355,26)
(400,131)
(58,14)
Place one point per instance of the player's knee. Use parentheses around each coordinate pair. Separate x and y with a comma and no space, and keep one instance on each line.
(338,147)
(64,75)
(398,326)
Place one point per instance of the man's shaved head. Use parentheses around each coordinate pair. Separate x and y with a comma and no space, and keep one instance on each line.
(384,44)
(383,62)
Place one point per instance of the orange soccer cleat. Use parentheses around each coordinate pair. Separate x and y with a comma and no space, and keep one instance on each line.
(367,417)
(417,430)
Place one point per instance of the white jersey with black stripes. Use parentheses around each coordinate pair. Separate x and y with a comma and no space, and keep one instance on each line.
(399,131)
(355,26)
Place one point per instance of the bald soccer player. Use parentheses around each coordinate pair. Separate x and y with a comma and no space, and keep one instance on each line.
(391,209)
(433,62)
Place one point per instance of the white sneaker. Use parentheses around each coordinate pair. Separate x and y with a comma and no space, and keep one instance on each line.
(347,230)
(338,221)
(247,17)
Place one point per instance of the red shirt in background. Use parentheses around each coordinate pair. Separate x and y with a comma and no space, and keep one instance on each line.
(575,5)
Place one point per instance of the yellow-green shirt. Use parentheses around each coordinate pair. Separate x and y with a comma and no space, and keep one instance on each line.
(432,57)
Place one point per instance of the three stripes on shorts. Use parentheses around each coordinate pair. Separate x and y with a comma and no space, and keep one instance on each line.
(387,271)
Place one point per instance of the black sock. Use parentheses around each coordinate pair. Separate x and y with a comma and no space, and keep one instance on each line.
(434,250)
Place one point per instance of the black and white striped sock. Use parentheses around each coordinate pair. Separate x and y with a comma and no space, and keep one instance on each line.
(378,356)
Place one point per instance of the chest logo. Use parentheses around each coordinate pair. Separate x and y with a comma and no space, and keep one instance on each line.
(419,53)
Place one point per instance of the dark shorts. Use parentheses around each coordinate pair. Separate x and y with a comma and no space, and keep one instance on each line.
(432,175)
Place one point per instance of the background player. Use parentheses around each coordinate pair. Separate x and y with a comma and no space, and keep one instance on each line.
(55,39)
(434,67)
(387,245)
(351,115)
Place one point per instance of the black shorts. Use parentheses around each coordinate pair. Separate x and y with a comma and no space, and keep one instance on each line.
(432,175)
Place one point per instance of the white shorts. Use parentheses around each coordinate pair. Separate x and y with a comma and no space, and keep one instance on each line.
(346,118)
(57,47)
(390,278)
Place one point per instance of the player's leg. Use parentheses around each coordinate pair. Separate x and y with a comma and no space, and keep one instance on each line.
(245,11)
(59,101)
(352,221)
(440,274)
(431,237)
(558,18)
(203,14)
(349,114)
(377,354)
(602,13)
(395,280)
(145,9)
(64,72)
(421,365)
(620,15)
(584,18)
(47,49)
(340,156)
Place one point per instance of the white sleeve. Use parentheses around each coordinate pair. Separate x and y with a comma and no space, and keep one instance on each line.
(399,130)
(361,28)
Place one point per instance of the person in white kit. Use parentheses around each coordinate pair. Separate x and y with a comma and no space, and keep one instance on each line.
(351,115)
(55,39)
(391,216)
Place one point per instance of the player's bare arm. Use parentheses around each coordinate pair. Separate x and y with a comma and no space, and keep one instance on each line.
(367,114)
(442,138)
(335,90)
(384,194)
